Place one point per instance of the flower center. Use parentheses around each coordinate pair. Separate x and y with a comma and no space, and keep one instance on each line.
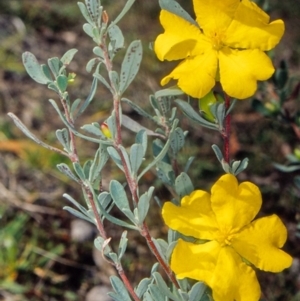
(217,38)
(224,236)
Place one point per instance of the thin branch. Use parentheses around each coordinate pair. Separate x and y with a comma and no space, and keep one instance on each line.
(127,283)
(73,156)
(132,183)
(99,223)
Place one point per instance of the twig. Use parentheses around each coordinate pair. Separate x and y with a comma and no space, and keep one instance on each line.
(132,183)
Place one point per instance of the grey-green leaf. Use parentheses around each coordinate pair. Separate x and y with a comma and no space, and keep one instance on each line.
(115,157)
(116,220)
(47,72)
(27,132)
(85,12)
(111,123)
(99,161)
(91,64)
(144,204)
(217,152)
(164,289)
(173,7)
(88,29)
(104,198)
(134,126)
(197,291)
(183,185)
(86,168)
(64,168)
(156,294)
(130,64)
(138,109)
(172,91)
(89,98)
(62,82)
(103,81)
(116,37)
(114,79)
(142,287)
(94,129)
(124,11)
(190,113)
(158,158)
(177,140)
(122,245)
(54,65)
(68,56)
(119,288)
(53,86)
(119,196)
(75,203)
(136,157)
(78,214)
(63,137)
(93,7)
(141,138)
(165,172)
(99,243)
(79,171)
(75,105)
(99,52)
(34,69)
(288,168)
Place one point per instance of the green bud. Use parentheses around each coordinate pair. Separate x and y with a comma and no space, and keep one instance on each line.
(205,104)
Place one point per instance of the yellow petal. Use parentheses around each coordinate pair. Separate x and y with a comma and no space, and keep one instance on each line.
(233,279)
(195,75)
(234,205)
(250,28)
(240,71)
(193,218)
(214,15)
(195,261)
(179,39)
(259,243)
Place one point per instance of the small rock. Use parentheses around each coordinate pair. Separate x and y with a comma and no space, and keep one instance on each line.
(81,230)
(98,293)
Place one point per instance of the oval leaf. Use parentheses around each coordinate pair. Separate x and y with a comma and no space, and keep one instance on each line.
(68,56)
(34,69)
(136,157)
(131,64)
(119,196)
(183,185)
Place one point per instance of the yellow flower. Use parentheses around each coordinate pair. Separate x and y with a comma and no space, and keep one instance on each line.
(234,240)
(105,130)
(227,46)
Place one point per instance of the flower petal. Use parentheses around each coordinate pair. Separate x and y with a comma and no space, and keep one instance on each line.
(240,70)
(251,29)
(233,279)
(193,218)
(196,75)
(214,15)
(220,268)
(259,243)
(196,261)
(234,205)
(179,39)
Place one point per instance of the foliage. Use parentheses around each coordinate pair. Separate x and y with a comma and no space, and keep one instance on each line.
(129,195)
